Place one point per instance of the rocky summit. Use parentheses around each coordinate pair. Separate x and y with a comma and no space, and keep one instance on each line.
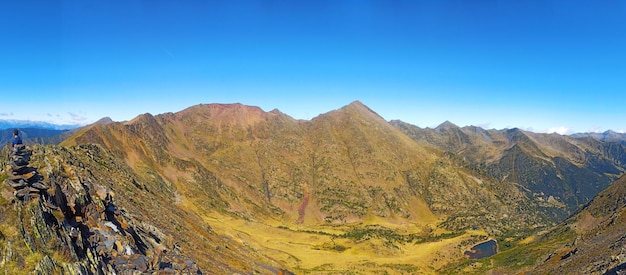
(75,228)
(232,189)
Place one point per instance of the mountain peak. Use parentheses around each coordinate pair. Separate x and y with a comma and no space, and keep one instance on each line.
(357,103)
(362,109)
(610,132)
(445,126)
(226,113)
(140,118)
(103,121)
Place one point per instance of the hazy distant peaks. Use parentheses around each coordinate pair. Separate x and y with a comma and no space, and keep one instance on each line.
(607,136)
(9,124)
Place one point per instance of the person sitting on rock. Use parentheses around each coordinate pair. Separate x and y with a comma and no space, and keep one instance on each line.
(16,138)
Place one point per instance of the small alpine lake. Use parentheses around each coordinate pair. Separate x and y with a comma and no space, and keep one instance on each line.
(482,250)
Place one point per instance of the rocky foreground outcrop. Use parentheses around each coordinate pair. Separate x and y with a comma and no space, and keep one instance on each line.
(54,223)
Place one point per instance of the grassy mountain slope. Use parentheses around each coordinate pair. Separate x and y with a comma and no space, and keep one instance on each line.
(600,243)
(593,241)
(350,190)
(149,204)
(560,173)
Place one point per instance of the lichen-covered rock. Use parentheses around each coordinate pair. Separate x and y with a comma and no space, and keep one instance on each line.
(46,266)
(76,228)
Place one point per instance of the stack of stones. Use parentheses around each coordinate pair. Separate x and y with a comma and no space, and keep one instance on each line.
(23,178)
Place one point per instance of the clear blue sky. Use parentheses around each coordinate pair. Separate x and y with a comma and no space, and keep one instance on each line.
(536,65)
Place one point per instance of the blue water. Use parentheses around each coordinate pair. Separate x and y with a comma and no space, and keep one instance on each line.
(482,250)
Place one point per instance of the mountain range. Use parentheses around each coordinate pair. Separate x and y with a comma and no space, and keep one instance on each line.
(12,124)
(609,136)
(253,191)
(34,135)
(562,172)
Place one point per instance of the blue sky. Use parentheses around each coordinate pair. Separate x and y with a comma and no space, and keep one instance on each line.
(537,65)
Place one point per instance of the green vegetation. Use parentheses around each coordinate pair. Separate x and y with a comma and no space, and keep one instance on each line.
(404,268)
(12,241)
(516,256)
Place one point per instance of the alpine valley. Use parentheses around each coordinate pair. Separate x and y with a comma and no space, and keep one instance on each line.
(230,188)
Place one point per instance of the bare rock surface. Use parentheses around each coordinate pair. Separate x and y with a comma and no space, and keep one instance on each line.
(76,227)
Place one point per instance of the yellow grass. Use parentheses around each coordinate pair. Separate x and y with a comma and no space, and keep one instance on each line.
(310,252)
(527,240)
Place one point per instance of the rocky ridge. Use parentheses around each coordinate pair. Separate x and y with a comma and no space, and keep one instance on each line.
(76,228)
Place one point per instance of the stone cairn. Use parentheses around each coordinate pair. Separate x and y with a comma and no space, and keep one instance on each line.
(24,179)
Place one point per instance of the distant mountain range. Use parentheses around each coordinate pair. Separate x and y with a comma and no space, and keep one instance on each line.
(33,132)
(608,136)
(34,135)
(10,124)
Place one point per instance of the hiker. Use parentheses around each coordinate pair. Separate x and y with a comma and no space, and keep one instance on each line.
(16,138)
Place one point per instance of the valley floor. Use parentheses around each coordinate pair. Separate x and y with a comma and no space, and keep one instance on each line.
(336,249)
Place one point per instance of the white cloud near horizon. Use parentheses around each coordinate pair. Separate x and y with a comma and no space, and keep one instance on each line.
(76,117)
(64,118)
(484,125)
(595,129)
(6,114)
(561,130)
